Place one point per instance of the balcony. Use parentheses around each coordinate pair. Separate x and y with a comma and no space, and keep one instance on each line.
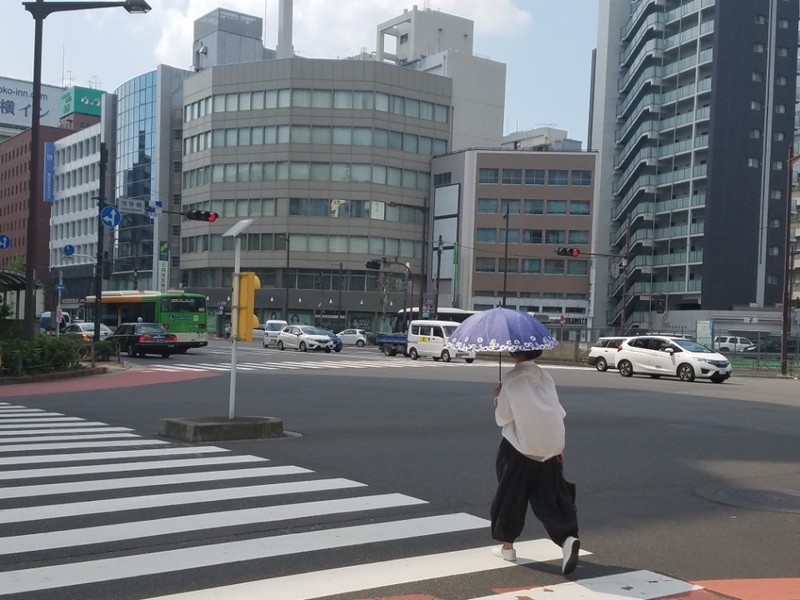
(637,16)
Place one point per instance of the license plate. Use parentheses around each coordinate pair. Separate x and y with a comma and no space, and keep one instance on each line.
(158,338)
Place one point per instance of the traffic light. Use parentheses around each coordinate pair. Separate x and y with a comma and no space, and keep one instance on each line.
(374,265)
(201,215)
(247,320)
(573,252)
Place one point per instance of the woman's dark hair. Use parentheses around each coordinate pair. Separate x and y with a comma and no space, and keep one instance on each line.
(527,354)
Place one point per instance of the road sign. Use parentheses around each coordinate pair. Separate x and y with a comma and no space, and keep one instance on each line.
(110,216)
(59,287)
(69,249)
(5,242)
(130,205)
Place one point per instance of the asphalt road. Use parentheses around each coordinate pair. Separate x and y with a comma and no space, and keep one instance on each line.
(696,481)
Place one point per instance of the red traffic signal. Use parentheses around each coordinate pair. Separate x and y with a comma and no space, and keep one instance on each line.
(573,252)
(201,215)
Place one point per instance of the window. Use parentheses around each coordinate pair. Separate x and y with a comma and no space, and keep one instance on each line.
(772,279)
(487,206)
(579,207)
(780,109)
(757,76)
(533,207)
(553,266)
(513,236)
(486,236)
(780,80)
(777,165)
(755,134)
(775,194)
(556,207)
(753,162)
(511,206)
(581,177)
(758,48)
(488,175)
(557,177)
(555,236)
(577,267)
(531,236)
(534,176)
(440,179)
(508,266)
(760,19)
(512,176)
(755,105)
(778,136)
(531,265)
(485,264)
(783,23)
(578,237)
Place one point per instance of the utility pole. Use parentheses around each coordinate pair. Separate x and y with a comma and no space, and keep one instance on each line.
(98,270)
(339,307)
(439,246)
(505,259)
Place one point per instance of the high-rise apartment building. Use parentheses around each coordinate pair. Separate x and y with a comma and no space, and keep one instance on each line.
(693,112)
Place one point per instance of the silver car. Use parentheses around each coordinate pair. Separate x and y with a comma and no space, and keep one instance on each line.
(84,331)
(304,338)
(354,336)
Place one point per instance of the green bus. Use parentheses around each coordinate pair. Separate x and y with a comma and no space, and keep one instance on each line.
(182,314)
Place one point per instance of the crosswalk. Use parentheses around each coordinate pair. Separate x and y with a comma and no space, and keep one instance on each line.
(111,514)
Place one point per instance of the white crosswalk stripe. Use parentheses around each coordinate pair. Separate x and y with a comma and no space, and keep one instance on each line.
(109,518)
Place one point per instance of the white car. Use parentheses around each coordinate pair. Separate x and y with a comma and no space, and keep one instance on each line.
(271,330)
(84,331)
(354,336)
(603,353)
(304,338)
(731,343)
(658,355)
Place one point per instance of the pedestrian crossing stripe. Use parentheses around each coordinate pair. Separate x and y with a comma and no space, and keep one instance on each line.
(3,434)
(168,561)
(70,426)
(76,445)
(11,422)
(113,454)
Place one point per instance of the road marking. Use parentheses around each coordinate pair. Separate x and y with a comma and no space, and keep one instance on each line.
(19,409)
(99,429)
(73,509)
(330,582)
(643,585)
(259,366)
(63,438)
(56,576)
(43,420)
(49,489)
(197,522)
(75,445)
(115,454)
(13,417)
(150,465)
(38,423)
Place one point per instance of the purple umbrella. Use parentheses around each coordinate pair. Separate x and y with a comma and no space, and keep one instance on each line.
(501,330)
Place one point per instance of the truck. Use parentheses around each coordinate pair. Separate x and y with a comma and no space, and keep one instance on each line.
(392,343)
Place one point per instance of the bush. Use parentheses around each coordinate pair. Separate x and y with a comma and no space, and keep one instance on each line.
(47,354)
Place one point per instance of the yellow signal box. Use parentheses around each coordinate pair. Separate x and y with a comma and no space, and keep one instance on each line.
(247,321)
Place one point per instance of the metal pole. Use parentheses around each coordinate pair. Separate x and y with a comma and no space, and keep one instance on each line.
(286,283)
(33,182)
(237,253)
(438,273)
(98,270)
(505,259)
(786,324)
(339,307)
(423,273)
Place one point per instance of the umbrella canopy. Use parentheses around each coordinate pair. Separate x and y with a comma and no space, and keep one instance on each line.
(501,330)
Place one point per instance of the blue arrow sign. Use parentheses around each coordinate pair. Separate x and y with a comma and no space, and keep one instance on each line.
(59,287)
(69,250)
(110,216)
(5,242)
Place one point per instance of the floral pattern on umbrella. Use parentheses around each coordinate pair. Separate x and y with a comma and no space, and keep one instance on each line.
(501,330)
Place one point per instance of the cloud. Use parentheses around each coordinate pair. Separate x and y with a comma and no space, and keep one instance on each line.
(323,29)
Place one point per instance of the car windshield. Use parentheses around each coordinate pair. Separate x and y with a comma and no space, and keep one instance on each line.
(274,326)
(691,346)
(449,329)
(150,328)
(313,330)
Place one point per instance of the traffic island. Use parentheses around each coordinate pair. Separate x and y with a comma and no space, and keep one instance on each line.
(218,429)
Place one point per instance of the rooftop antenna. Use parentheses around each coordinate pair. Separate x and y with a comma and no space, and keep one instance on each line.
(94,82)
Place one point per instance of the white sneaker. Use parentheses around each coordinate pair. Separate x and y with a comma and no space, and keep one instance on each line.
(508,554)
(571,548)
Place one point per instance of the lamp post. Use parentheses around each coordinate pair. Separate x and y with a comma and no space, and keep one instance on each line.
(286,277)
(786,322)
(39,10)
(505,259)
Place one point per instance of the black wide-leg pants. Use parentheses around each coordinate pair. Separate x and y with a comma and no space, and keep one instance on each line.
(522,481)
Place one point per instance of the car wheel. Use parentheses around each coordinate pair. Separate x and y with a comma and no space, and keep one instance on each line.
(718,378)
(389,350)
(131,353)
(303,347)
(264,343)
(327,350)
(165,355)
(725,349)
(469,361)
(686,372)
(338,350)
(280,344)
(360,343)
(413,354)
(445,356)
(655,376)
(625,368)
(601,365)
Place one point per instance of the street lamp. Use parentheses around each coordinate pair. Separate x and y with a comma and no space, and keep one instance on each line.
(39,10)
(285,276)
(505,259)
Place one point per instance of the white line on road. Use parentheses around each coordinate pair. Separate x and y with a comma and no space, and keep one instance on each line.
(49,489)
(6,442)
(154,527)
(92,507)
(305,586)
(75,445)
(98,429)
(112,455)
(56,576)
(43,420)
(11,417)
(38,423)
(150,465)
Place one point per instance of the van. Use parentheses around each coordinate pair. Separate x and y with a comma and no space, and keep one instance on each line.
(428,338)
(271,330)
(731,343)
(47,325)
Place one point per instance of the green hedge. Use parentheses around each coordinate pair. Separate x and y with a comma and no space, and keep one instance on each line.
(46,354)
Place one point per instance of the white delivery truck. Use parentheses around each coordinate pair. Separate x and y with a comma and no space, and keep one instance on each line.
(428,338)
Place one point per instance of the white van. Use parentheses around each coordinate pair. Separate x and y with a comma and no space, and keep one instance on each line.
(427,338)
(47,322)
(271,330)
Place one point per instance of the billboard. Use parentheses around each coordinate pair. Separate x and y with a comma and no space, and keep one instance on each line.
(85,101)
(16,101)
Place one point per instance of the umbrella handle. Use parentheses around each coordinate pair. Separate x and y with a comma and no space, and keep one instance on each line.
(500,367)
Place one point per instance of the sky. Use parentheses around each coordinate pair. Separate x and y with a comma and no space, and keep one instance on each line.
(546,44)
